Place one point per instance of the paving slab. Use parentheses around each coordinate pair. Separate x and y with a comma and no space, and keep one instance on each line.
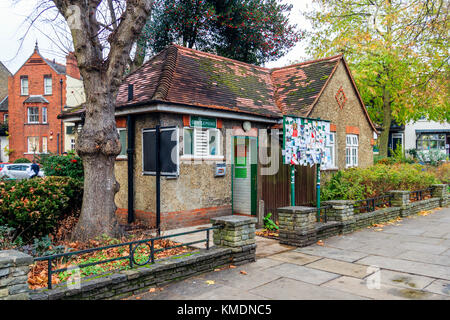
(341,267)
(294,257)
(439,287)
(416,246)
(404,280)
(384,292)
(227,293)
(332,253)
(268,247)
(381,250)
(290,289)
(309,275)
(425,257)
(419,268)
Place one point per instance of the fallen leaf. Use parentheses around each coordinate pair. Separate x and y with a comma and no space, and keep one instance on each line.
(217,270)
(138,298)
(243,272)
(232,267)
(152,290)
(320,243)
(209,282)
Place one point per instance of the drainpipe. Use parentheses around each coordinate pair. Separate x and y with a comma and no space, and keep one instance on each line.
(61,83)
(130,163)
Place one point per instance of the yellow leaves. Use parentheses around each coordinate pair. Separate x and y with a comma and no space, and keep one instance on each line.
(425,213)
(210,282)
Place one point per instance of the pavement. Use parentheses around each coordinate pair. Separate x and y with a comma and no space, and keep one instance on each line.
(408,259)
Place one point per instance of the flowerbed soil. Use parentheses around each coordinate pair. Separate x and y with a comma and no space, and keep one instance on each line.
(38,275)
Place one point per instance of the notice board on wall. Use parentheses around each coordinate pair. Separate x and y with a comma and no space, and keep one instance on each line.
(305,141)
(168,151)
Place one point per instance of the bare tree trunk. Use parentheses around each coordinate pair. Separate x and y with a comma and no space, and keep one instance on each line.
(387,120)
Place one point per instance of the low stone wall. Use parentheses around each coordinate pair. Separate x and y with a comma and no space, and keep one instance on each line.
(14,268)
(234,244)
(298,225)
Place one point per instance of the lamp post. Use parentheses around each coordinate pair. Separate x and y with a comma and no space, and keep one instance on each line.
(61,136)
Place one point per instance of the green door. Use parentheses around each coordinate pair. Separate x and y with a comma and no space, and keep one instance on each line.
(244,178)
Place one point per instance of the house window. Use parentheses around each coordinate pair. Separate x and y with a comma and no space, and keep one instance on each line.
(33,115)
(331,150)
(5,118)
(72,144)
(201,142)
(33,144)
(429,141)
(351,151)
(47,84)
(44,144)
(123,142)
(44,114)
(24,85)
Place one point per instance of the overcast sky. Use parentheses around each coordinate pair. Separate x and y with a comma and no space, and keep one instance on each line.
(13,27)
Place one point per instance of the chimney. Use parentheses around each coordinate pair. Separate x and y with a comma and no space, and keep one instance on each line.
(72,66)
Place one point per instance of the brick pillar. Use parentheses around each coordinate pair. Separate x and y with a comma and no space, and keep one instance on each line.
(14,268)
(440,191)
(342,211)
(237,233)
(297,225)
(400,198)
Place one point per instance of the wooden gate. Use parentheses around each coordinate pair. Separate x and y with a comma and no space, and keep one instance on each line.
(276,188)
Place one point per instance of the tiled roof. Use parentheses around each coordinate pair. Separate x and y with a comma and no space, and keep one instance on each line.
(298,86)
(59,68)
(4,104)
(36,99)
(185,76)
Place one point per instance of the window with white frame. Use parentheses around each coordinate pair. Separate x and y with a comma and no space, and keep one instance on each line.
(33,145)
(44,145)
(24,85)
(123,142)
(351,151)
(33,115)
(331,150)
(5,118)
(44,114)
(200,142)
(72,144)
(47,84)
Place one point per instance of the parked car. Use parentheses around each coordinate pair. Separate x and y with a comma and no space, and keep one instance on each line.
(18,171)
(2,164)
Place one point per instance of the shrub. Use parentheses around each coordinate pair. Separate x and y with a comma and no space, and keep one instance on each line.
(362,183)
(63,166)
(432,157)
(34,207)
(22,160)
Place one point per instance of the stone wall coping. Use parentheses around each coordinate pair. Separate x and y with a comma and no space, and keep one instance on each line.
(442,185)
(400,191)
(339,202)
(234,220)
(297,209)
(15,258)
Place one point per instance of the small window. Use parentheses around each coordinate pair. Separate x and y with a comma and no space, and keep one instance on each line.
(123,142)
(44,144)
(351,151)
(331,150)
(5,118)
(44,114)
(33,115)
(33,144)
(72,144)
(201,142)
(24,85)
(47,85)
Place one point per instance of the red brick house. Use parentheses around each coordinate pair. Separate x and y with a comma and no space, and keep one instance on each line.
(37,93)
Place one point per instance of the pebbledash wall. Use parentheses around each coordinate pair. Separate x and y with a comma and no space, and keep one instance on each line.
(190,199)
(234,244)
(298,226)
(350,119)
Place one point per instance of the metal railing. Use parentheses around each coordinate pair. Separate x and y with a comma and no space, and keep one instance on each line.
(420,194)
(132,246)
(370,204)
(322,213)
